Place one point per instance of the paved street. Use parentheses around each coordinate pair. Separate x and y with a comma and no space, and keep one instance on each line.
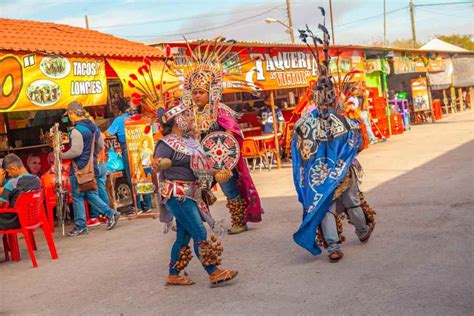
(419,260)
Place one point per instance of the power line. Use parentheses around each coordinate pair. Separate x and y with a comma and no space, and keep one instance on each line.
(444,3)
(192,17)
(372,17)
(444,14)
(205,30)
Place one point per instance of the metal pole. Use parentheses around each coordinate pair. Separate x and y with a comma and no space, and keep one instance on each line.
(87,21)
(290,21)
(385,95)
(384,22)
(275,129)
(412,16)
(332,23)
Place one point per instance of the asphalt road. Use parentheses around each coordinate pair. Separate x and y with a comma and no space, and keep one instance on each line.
(419,260)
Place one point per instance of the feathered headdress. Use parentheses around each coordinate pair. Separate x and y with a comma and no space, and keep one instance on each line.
(327,89)
(157,94)
(208,63)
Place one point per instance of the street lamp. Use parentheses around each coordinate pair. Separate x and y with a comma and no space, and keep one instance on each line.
(288,28)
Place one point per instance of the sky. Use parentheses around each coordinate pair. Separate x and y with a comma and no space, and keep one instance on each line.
(358,22)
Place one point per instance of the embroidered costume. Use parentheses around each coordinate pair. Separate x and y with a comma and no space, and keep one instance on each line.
(206,74)
(184,182)
(325,171)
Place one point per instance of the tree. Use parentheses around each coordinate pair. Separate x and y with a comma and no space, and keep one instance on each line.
(461,40)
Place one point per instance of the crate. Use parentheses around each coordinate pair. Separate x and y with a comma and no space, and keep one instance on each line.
(380,127)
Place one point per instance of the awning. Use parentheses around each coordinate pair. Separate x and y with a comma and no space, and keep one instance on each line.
(463,71)
(126,67)
(443,79)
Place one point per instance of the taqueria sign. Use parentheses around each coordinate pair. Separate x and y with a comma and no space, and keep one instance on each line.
(39,82)
(270,68)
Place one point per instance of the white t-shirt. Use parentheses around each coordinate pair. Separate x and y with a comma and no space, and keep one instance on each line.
(354,101)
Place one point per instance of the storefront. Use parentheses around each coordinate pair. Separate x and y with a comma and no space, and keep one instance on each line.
(49,66)
(283,70)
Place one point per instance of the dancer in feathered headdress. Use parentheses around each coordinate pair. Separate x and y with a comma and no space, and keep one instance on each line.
(184,176)
(219,130)
(324,146)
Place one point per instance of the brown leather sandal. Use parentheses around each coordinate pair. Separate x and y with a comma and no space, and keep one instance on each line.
(178,280)
(335,256)
(220,276)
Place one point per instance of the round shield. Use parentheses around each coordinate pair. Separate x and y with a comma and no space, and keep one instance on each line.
(222,149)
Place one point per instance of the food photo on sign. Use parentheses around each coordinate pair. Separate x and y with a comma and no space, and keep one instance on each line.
(40,82)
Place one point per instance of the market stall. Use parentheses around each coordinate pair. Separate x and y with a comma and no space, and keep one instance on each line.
(282,71)
(44,67)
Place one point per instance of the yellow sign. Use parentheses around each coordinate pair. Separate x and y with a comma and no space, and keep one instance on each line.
(419,89)
(273,68)
(38,82)
(125,68)
(139,140)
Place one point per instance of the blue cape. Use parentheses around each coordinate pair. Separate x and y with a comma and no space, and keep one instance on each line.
(322,151)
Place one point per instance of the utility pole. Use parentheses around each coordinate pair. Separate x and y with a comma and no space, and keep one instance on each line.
(87,21)
(384,23)
(412,16)
(290,21)
(332,23)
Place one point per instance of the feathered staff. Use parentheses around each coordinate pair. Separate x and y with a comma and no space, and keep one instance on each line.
(328,89)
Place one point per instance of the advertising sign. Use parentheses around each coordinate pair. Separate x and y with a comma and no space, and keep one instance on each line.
(272,68)
(139,140)
(419,88)
(39,82)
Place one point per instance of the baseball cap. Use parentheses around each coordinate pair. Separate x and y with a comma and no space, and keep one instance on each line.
(75,107)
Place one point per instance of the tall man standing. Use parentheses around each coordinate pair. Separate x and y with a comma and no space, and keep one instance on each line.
(83,135)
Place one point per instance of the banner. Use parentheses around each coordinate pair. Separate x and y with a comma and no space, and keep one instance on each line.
(419,63)
(139,140)
(273,68)
(419,88)
(39,82)
(124,68)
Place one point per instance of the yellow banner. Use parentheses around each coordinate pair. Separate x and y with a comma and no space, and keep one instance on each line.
(272,68)
(125,68)
(38,82)
(139,140)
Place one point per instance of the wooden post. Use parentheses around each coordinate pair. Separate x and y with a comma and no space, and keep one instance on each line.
(453,99)
(461,101)
(471,97)
(430,99)
(275,129)
(445,102)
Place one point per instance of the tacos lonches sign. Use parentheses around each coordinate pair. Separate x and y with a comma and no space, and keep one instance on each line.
(39,82)
(139,140)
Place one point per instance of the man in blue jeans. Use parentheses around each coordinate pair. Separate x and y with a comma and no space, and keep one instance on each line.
(117,128)
(101,190)
(83,135)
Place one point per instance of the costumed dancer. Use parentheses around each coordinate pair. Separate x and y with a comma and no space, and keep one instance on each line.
(184,174)
(202,93)
(325,171)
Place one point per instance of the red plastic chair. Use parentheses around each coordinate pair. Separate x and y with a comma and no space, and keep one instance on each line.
(48,183)
(30,210)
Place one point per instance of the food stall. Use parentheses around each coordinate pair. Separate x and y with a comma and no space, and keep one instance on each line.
(283,71)
(44,67)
